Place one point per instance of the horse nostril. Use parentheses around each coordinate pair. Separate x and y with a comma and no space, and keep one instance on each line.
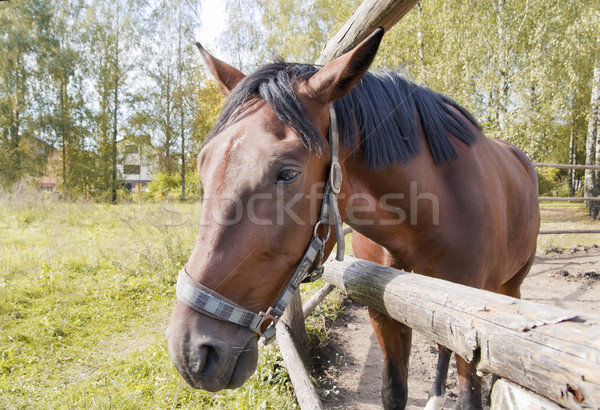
(212,361)
(210,354)
(197,362)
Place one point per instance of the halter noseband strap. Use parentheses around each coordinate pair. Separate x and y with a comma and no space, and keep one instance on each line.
(204,300)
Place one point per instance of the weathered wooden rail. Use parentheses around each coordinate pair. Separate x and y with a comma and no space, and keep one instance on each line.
(367,17)
(551,351)
(569,198)
(566,166)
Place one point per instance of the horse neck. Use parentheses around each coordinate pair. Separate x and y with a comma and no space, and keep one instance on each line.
(396,200)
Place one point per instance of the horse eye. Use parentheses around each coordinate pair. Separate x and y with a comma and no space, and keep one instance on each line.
(288,175)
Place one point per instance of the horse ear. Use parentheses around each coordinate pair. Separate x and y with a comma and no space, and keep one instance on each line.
(338,77)
(226,76)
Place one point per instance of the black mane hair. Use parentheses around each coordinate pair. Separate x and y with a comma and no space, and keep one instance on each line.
(377,119)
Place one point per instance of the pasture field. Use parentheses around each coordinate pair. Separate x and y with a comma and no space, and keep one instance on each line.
(85,295)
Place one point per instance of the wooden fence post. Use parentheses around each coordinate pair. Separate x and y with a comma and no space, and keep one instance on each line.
(293,319)
(369,15)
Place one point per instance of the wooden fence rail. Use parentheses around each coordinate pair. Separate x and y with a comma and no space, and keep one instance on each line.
(370,15)
(569,198)
(551,351)
(566,166)
(568,231)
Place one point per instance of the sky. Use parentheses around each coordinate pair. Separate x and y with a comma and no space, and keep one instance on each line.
(213,17)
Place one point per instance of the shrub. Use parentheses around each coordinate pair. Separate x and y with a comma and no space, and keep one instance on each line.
(548,179)
(168,186)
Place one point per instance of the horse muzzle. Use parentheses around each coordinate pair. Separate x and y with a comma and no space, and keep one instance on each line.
(210,354)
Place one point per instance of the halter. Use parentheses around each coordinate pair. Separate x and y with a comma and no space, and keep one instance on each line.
(206,301)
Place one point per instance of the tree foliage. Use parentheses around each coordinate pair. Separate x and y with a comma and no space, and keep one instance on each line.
(76,76)
(523,68)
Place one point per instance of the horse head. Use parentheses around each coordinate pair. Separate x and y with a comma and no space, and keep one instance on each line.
(263,171)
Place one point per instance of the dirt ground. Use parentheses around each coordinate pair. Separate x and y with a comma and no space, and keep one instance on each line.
(351,375)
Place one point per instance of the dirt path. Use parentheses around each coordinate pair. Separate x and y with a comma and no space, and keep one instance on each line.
(566,278)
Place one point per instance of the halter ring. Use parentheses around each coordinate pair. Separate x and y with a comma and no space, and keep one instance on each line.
(316,231)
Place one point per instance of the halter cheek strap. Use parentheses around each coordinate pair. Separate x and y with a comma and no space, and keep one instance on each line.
(206,301)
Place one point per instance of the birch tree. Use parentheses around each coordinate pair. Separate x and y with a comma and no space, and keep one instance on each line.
(114,28)
(592,148)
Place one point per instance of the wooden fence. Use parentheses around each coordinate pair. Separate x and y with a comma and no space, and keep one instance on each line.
(551,351)
(535,348)
(568,199)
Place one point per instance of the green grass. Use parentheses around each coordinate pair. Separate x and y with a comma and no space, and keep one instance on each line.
(85,295)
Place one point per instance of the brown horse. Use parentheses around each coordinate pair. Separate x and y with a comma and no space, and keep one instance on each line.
(423,188)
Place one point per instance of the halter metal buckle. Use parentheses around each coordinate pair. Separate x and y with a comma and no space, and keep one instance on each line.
(335,177)
(268,315)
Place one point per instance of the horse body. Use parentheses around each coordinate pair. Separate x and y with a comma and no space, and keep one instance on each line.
(423,189)
(457,216)
(461,232)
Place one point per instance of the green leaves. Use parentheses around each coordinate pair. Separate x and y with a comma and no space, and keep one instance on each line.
(77,76)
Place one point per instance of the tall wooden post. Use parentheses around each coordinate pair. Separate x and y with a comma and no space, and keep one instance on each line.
(369,15)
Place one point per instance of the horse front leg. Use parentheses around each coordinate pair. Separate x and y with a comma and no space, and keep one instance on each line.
(469,386)
(438,390)
(395,340)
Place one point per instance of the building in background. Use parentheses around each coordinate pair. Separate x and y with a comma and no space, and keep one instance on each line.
(137,162)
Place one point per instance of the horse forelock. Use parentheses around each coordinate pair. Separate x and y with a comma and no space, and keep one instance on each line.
(377,119)
(273,84)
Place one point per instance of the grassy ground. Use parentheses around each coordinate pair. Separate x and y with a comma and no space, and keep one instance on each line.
(85,295)
(565,215)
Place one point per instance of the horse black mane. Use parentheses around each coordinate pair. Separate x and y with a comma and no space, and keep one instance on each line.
(378,117)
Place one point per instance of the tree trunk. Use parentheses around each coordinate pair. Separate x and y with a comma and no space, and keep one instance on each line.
(572,161)
(181,111)
(502,107)
(590,146)
(64,140)
(596,111)
(113,176)
(16,127)
(182,159)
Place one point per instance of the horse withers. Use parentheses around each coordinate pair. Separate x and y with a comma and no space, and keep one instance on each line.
(422,187)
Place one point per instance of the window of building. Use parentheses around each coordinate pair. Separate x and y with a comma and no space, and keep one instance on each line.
(131,149)
(131,169)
